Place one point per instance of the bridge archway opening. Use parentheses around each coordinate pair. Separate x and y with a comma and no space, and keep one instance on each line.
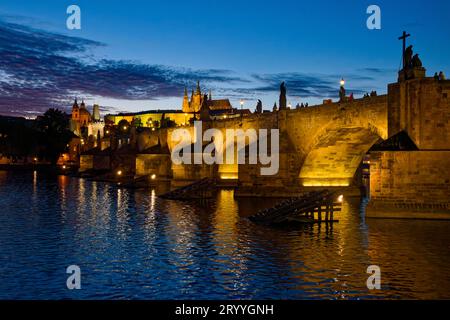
(337,155)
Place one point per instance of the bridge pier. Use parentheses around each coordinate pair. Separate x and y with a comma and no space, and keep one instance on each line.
(409,184)
(414,183)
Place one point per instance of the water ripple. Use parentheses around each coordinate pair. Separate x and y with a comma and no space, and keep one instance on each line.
(132,245)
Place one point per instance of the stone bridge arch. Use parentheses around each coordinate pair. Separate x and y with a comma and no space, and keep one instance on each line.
(334,150)
(336,156)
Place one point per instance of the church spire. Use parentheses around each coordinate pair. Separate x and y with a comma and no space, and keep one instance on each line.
(185,106)
(199,92)
(196,99)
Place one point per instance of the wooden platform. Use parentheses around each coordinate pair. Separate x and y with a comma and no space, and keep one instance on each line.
(313,207)
(201,189)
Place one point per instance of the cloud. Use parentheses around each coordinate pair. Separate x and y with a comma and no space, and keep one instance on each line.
(43,69)
(377,71)
(302,85)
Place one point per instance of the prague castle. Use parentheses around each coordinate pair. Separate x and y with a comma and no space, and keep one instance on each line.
(190,108)
(193,105)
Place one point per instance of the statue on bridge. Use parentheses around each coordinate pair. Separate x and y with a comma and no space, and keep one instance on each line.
(408,57)
(342,97)
(259,107)
(416,62)
(412,65)
(283,104)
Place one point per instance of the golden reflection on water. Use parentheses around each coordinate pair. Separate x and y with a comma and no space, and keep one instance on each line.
(152,201)
(82,192)
(122,215)
(319,260)
(321,255)
(228,240)
(94,198)
(225,219)
(35,176)
(63,182)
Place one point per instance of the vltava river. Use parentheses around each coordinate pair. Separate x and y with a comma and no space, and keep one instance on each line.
(130,244)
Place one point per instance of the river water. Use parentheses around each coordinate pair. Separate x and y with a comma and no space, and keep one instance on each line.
(129,244)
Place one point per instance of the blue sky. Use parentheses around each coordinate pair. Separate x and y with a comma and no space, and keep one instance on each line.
(138,55)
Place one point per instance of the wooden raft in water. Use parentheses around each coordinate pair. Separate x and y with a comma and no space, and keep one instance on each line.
(313,207)
(201,189)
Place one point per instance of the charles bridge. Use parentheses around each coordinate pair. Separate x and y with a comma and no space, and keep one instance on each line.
(404,135)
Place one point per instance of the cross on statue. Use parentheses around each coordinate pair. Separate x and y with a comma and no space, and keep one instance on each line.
(403,37)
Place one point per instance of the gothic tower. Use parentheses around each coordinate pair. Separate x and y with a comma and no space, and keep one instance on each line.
(75,111)
(196,100)
(185,106)
(96,112)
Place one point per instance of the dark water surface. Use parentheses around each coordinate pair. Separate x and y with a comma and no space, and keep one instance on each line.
(130,244)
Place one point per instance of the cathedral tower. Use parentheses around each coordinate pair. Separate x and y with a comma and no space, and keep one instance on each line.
(186,107)
(96,112)
(75,111)
(196,100)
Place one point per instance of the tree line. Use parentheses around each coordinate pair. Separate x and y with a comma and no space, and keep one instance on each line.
(46,137)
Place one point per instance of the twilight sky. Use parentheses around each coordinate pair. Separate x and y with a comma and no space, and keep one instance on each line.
(138,55)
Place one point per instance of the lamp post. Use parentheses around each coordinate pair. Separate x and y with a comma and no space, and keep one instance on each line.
(242,112)
(342,91)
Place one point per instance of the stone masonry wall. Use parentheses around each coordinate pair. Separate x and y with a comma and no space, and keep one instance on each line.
(422,109)
(414,184)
